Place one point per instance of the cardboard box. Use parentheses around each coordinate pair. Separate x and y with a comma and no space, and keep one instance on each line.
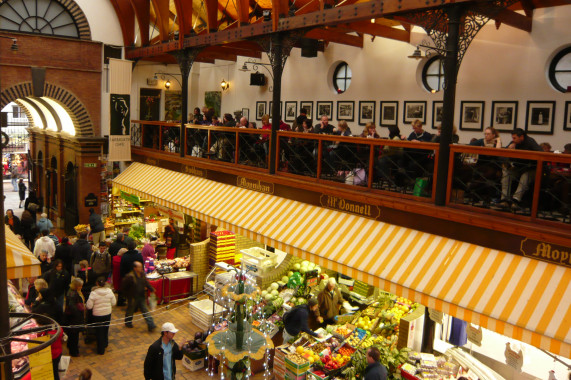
(193,365)
(296,369)
(292,376)
(312,376)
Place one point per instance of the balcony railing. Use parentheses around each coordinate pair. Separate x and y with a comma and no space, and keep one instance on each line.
(479,178)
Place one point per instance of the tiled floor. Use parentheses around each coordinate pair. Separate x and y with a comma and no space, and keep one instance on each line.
(125,355)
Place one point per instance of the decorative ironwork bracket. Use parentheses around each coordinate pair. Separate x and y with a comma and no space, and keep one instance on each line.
(185,58)
(278,46)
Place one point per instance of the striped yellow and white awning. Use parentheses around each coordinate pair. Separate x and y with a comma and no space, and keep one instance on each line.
(21,263)
(526,299)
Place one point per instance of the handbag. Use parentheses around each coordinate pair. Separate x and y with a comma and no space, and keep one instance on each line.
(359,177)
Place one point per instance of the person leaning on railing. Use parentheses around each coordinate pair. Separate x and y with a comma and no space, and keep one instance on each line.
(416,162)
(387,163)
(520,170)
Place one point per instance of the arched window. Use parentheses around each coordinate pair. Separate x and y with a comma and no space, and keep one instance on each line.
(342,77)
(560,70)
(433,74)
(46,17)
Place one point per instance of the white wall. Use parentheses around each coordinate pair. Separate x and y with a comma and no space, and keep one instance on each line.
(103,21)
(506,64)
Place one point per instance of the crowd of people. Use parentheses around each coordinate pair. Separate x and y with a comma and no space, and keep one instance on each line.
(75,286)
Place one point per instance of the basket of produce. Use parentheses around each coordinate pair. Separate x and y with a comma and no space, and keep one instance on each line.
(332,365)
(81,228)
(342,332)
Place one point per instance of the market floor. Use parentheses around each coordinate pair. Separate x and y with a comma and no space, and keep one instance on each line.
(125,355)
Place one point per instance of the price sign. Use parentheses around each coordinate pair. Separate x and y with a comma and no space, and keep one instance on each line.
(435,316)
(474,335)
(311,278)
(41,362)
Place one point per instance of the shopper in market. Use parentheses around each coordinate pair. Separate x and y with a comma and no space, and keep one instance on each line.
(22,191)
(56,347)
(45,243)
(34,291)
(45,304)
(28,226)
(101,261)
(80,250)
(161,356)
(135,286)
(116,246)
(375,370)
(54,237)
(148,251)
(58,280)
(12,221)
(129,258)
(329,301)
(296,320)
(97,228)
(63,253)
(101,302)
(75,315)
(44,223)
(45,262)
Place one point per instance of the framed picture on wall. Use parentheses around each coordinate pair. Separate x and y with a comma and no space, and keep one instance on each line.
(260,110)
(389,112)
(413,111)
(567,119)
(290,111)
(246,113)
(324,109)
(471,116)
(366,112)
(346,110)
(504,116)
(271,107)
(539,117)
(308,108)
(437,107)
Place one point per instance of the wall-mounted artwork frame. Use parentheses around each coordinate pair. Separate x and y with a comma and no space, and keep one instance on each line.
(504,115)
(324,108)
(414,110)
(388,113)
(472,115)
(539,118)
(260,110)
(366,112)
(346,110)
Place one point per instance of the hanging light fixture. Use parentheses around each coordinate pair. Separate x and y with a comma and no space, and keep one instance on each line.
(168,84)
(224,85)
(417,54)
(244,67)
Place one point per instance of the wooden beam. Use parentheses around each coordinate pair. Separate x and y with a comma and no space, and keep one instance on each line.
(332,35)
(343,14)
(380,30)
(184,13)
(279,10)
(243,9)
(528,7)
(126,16)
(211,15)
(163,17)
(241,52)
(506,16)
(142,10)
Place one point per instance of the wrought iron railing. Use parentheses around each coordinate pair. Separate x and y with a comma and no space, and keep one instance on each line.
(526,184)
(482,180)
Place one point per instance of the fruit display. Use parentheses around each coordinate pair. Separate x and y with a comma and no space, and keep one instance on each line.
(297,358)
(81,228)
(307,353)
(342,331)
(366,322)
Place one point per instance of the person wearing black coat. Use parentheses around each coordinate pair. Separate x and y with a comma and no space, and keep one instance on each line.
(29,230)
(47,305)
(129,258)
(22,191)
(58,280)
(296,320)
(117,245)
(374,370)
(75,315)
(13,222)
(97,227)
(153,367)
(63,253)
(80,250)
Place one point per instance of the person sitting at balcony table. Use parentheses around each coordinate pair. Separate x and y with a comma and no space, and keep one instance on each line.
(416,161)
(491,139)
(370,131)
(455,137)
(324,127)
(299,120)
(418,134)
(228,120)
(243,122)
(338,151)
(387,163)
(518,169)
(196,117)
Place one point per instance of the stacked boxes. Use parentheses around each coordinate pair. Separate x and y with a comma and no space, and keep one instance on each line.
(279,362)
(363,288)
(202,313)
(296,371)
(222,247)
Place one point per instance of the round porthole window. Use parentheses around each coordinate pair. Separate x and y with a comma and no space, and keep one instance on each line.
(560,70)
(433,74)
(342,77)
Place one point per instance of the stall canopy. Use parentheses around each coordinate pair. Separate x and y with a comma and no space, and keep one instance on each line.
(21,263)
(525,299)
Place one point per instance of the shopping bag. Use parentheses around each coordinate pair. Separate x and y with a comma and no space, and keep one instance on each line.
(152,302)
(359,177)
(420,186)
(196,151)
(63,366)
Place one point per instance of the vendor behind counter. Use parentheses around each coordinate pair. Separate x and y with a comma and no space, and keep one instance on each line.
(296,320)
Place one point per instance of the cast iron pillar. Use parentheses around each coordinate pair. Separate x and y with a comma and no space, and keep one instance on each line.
(451,64)
(185,59)
(278,46)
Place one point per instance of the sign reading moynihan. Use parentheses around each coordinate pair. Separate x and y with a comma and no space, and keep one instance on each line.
(255,184)
(555,254)
(353,207)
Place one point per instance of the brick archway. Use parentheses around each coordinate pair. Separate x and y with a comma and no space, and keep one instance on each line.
(79,18)
(74,107)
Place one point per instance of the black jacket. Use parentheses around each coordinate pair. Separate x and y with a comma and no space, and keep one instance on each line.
(58,282)
(115,247)
(95,223)
(16,228)
(127,261)
(154,360)
(81,250)
(63,253)
(296,321)
(375,371)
